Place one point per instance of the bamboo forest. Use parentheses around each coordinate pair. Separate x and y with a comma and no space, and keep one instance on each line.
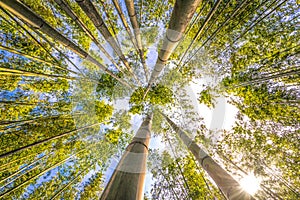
(145,99)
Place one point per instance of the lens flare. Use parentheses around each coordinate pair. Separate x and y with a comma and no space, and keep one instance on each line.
(250,184)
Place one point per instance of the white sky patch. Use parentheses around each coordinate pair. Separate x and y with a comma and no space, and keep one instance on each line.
(151,57)
(222,116)
(121,104)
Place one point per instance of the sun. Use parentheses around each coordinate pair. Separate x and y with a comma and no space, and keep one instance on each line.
(250,183)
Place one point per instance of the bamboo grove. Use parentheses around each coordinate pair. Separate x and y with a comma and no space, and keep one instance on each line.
(96,101)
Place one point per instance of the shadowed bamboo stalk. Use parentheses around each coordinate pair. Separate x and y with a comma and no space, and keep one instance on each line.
(68,10)
(128,179)
(90,10)
(228,185)
(124,22)
(38,42)
(105,9)
(29,17)
(52,45)
(136,29)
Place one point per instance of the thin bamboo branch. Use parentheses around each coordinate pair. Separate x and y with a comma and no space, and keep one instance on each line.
(74,179)
(39,174)
(47,140)
(240,7)
(33,58)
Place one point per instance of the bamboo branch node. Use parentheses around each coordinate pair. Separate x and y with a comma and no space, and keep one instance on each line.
(163,61)
(132,15)
(202,160)
(174,41)
(139,143)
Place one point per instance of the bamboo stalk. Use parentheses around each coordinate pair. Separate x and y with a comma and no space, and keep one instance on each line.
(38,23)
(180,18)
(90,10)
(200,30)
(68,10)
(128,179)
(137,33)
(228,185)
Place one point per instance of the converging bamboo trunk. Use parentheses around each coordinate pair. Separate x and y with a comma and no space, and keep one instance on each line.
(227,184)
(128,179)
(34,20)
(181,16)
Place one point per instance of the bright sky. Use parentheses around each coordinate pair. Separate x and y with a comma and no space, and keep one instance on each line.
(220,117)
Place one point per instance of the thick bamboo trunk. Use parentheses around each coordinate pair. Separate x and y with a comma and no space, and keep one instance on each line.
(68,10)
(90,10)
(28,16)
(137,33)
(228,185)
(128,180)
(180,18)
